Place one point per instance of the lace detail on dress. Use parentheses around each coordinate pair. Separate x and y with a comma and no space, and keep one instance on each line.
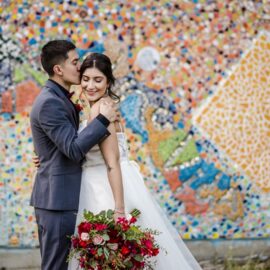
(122,144)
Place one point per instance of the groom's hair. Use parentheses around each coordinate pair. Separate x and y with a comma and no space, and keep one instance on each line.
(55,52)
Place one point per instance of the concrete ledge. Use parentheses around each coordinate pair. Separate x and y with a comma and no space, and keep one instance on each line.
(12,258)
(205,250)
(224,249)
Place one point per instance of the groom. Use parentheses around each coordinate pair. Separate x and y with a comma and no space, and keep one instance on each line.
(54,123)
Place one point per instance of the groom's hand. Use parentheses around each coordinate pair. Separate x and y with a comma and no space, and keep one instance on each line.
(109,109)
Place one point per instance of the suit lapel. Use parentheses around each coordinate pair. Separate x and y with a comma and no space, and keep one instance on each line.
(54,87)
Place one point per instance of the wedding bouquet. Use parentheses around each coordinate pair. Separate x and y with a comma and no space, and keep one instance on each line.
(103,244)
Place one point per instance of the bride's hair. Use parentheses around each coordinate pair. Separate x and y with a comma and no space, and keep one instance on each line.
(103,64)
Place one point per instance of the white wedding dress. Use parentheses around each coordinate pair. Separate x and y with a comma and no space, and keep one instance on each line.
(96,195)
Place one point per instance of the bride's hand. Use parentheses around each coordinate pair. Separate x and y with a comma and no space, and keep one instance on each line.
(118,214)
(36,162)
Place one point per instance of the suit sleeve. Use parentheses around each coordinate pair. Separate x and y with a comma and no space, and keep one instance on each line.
(56,123)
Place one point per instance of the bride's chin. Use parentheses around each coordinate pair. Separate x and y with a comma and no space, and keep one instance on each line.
(92,100)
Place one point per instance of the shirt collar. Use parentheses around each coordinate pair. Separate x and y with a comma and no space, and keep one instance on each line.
(64,90)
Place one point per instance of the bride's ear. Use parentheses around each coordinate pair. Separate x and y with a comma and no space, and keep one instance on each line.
(107,89)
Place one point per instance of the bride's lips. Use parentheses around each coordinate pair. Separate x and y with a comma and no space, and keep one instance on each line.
(91,93)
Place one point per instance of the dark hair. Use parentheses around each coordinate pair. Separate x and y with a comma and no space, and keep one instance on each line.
(104,65)
(55,52)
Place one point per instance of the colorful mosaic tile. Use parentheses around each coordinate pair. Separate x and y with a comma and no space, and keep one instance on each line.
(168,57)
(236,118)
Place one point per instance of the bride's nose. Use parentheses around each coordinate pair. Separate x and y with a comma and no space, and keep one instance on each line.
(91,84)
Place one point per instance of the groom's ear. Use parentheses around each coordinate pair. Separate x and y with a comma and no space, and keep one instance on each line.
(58,70)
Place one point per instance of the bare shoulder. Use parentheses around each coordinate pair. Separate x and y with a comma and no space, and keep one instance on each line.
(107,98)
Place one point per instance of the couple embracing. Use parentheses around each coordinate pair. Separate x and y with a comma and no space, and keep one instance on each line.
(86,166)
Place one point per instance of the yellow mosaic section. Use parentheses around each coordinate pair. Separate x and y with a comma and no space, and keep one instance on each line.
(237,117)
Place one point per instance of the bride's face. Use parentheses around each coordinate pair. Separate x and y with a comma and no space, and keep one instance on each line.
(94,84)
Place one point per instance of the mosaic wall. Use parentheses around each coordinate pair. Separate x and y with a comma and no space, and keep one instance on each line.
(194,83)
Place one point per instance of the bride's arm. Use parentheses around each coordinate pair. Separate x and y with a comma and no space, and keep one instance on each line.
(110,152)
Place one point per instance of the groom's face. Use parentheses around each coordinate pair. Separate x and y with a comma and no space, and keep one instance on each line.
(70,68)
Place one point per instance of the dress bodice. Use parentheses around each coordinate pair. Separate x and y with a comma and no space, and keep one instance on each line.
(94,156)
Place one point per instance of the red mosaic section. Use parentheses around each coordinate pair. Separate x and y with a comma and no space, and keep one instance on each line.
(26,93)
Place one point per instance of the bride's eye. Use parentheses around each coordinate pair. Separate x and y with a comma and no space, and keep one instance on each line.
(98,79)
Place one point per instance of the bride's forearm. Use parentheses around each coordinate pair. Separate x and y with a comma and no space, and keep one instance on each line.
(115,179)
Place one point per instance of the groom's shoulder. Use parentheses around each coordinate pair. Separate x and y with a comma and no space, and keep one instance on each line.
(46,96)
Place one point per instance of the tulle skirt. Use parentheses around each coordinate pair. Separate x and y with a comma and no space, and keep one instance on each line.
(96,195)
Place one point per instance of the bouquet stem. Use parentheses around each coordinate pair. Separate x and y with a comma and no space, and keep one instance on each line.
(135,212)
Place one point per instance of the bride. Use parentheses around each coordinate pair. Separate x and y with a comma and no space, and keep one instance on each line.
(111,181)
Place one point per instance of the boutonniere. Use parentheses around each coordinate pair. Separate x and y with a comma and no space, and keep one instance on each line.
(78,106)
(76,103)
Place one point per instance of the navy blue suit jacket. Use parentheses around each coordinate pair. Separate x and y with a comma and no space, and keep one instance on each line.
(61,150)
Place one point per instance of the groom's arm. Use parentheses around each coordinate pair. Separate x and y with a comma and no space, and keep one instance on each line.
(56,123)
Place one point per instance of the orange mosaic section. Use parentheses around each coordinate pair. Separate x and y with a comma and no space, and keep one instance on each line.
(26,93)
(7,102)
(237,116)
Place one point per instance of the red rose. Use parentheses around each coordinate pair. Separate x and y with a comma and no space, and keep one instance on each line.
(132,220)
(100,227)
(75,242)
(82,261)
(148,243)
(84,227)
(155,251)
(82,244)
(78,107)
(124,223)
(125,250)
(93,251)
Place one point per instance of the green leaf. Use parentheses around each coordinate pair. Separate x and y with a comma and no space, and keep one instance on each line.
(102,214)
(106,252)
(110,214)
(106,237)
(135,212)
(138,258)
(128,264)
(93,263)
(88,215)
(100,251)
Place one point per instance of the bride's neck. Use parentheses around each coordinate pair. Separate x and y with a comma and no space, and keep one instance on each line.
(91,103)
